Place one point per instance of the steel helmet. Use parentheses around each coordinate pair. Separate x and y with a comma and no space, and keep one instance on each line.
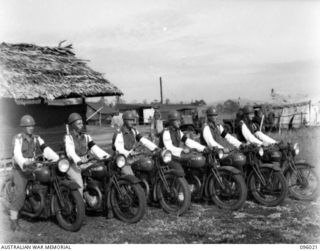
(173,115)
(74,117)
(128,115)
(212,111)
(247,109)
(27,120)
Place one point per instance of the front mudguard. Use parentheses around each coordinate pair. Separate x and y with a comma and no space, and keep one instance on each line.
(230,169)
(303,163)
(275,166)
(178,173)
(130,178)
(70,184)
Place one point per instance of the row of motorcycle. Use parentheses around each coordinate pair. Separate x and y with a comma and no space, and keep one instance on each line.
(264,174)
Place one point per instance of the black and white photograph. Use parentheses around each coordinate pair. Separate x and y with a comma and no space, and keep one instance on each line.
(159,122)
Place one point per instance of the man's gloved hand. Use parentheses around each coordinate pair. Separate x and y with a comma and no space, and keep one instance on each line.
(186,150)
(157,150)
(242,146)
(206,150)
(79,163)
(226,150)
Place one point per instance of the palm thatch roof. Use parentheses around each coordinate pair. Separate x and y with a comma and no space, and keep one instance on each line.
(31,72)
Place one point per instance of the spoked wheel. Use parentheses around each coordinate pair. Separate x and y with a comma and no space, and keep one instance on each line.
(129,203)
(303,184)
(71,216)
(232,194)
(177,199)
(273,192)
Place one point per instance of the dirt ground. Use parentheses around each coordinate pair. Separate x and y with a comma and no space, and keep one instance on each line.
(292,222)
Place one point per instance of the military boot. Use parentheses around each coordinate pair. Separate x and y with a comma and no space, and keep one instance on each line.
(14,225)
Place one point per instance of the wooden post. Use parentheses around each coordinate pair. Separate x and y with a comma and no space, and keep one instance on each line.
(161,96)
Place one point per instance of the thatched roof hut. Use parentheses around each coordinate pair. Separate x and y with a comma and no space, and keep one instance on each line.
(31,72)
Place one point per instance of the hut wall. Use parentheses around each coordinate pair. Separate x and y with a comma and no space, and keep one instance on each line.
(44,115)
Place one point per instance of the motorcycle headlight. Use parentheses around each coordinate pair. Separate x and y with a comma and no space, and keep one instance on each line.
(166,156)
(296,149)
(121,161)
(220,154)
(63,165)
(261,152)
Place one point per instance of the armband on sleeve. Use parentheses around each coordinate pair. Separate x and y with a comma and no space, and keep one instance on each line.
(138,137)
(42,147)
(184,138)
(91,144)
(224,133)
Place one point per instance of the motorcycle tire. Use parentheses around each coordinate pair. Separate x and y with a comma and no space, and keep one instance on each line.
(132,207)
(235,194)
(262,194)
(308,188)
(70,221)
(178,200)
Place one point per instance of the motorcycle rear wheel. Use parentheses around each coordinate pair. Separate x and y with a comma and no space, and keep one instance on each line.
(306,189)
(275,190)
(131,206)
(71,217)
(235,194)
(178,200)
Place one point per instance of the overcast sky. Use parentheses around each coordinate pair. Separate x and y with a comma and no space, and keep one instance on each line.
(203,49)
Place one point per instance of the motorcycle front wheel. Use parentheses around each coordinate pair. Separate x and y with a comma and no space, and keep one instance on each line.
(71,216)
(129,203)
(303,184)
(178,199)
(273,192)
(232,195)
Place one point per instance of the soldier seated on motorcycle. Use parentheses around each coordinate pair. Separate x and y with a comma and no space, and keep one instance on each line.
(77,146)
(26,147)
(172,138)
(126,138)
(214,135)
(248,132)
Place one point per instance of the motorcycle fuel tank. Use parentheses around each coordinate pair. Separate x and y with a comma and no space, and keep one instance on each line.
(43,174)
(237,160)
(272,156)
(193,160)
(99,172)
(143,164)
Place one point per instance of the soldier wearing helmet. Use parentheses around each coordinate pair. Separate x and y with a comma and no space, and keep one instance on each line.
(125,139)
(248,131)
(213,134)
(26,147)
(78,146)
(172,137)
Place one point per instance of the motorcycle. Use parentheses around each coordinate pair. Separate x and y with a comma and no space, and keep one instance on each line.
(163,185)
(49,193)
(265,181)
(209,180)
(303,181)
(113,192)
